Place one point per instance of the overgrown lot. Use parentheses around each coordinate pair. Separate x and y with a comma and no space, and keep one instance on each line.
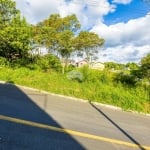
(98,86)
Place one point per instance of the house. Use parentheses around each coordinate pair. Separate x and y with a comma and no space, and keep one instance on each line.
(97,65)
(92,65)
(81,63)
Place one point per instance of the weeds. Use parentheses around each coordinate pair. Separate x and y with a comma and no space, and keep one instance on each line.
(98,86)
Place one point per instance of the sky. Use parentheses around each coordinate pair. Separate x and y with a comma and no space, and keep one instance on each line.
(124,24)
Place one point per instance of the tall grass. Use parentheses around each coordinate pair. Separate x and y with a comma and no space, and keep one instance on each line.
(98,86)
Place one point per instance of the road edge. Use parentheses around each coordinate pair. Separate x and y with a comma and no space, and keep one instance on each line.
(76,99)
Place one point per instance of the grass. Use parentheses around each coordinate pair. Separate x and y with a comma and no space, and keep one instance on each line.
(99,89)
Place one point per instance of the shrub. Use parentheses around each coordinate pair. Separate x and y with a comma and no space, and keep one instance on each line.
(75,75)
(69,68)
(126,79)
(48,62)
(3,61)
(106,77)
(85,72)
(95,76)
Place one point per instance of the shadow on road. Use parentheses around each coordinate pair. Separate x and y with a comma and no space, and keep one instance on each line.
(13,136)
(118,127)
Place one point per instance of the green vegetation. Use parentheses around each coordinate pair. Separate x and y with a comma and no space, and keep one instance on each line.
(21,61)
(98,86)
(14,32)
(87,42)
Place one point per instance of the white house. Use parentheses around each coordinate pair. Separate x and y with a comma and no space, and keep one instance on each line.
(92,65)
(97,65)
(81,63)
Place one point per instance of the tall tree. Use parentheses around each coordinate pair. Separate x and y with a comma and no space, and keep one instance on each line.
(14,33)
(48,30)
(87,42)
(65,47)
(7,12)
(57,33)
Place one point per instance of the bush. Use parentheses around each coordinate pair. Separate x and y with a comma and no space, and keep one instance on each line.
(75,75)
(48,62)
(3,61)
(69,68)
(20,62)
(85,72)
(106,77)
(126,79)
(91,75)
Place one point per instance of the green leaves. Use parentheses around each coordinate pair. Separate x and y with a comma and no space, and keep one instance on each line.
(65,43)
(57,34)
(88,42)
(145,67)
(14,33)
(7,12)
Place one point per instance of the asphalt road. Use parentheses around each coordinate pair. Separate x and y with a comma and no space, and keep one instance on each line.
(31,120)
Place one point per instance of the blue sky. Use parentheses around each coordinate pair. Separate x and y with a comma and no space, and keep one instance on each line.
(124,13)
(124,24)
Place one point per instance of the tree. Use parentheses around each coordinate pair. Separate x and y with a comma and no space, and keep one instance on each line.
(145,67)
(87,42)
(132,66)
(49,62)
(111,65)
(65,47)
(57,34)
(48,31)
(143,72)
(71,23)
(7,12)
(14,33)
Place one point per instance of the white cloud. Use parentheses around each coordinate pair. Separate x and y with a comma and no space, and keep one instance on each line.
(122,1)
(87,11)
(125,41)
(124,53)
(136,31)
(36,11)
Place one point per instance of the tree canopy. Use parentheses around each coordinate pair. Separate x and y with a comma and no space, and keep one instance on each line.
(14,33)
(87,42)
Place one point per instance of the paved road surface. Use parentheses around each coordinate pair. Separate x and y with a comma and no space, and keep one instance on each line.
(30,120)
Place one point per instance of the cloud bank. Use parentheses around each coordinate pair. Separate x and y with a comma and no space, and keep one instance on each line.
(125,41)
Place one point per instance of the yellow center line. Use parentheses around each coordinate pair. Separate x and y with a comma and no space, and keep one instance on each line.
(70,132)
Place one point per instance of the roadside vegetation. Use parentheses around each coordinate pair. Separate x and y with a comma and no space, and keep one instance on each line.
(118,89)
(22,61)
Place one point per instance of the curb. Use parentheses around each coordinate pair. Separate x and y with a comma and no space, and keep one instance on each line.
(77,99)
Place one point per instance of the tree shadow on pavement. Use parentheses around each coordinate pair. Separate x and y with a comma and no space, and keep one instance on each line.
(14,136)
(117,126)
